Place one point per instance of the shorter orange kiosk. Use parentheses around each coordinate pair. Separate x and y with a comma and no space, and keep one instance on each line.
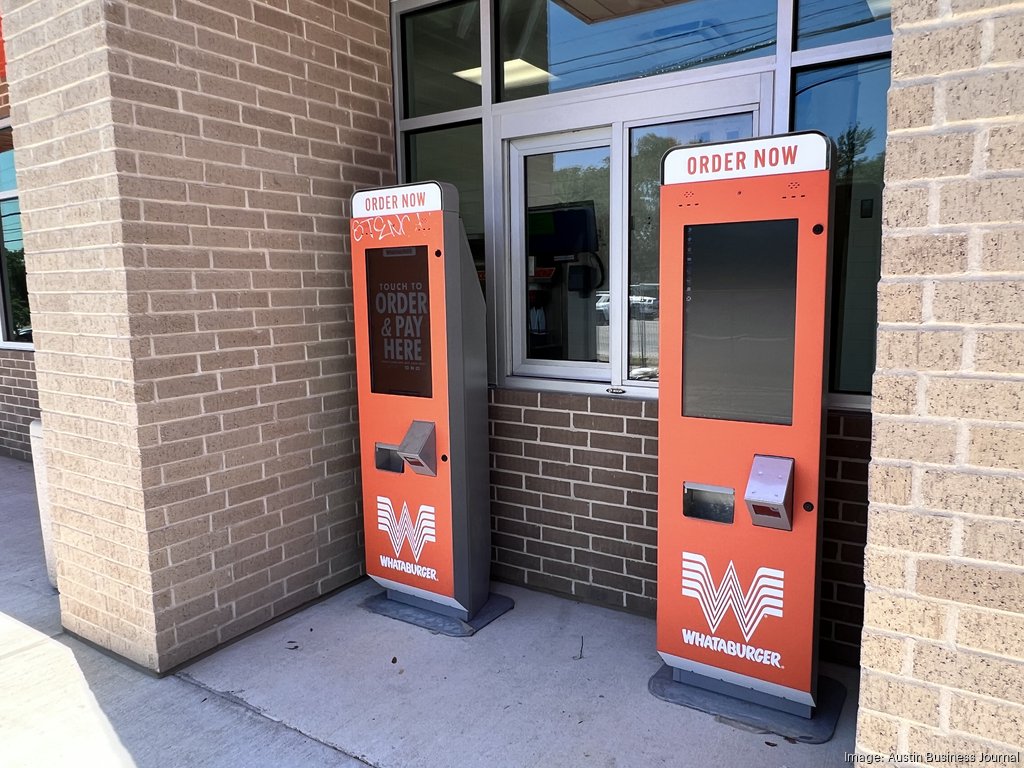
(745,234)
(422,379)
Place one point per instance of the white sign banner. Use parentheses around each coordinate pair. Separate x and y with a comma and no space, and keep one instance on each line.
(794,153)
(411,198)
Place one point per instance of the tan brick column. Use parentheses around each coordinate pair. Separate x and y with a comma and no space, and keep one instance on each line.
(185,169)
(943,645)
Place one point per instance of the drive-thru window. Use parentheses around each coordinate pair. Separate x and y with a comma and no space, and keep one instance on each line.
(555,114)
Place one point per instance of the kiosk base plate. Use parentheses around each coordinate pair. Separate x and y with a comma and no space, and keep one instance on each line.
(451,626)
(744,714)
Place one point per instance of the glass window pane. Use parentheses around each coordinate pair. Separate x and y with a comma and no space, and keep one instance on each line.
(826,22)
(454,155)
(546,46)
(441,58)
(567,255)
(739,320)
(7,181)
(648,145)
(847,102)
(13,289)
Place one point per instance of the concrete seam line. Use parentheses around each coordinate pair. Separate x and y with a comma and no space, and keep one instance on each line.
(232,698)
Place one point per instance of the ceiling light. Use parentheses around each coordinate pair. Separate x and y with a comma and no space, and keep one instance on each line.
(880,9)
(517,72)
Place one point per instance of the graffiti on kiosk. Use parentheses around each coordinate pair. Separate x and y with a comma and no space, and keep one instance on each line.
(380,228)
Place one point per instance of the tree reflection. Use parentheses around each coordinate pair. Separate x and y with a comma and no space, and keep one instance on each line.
(17,294)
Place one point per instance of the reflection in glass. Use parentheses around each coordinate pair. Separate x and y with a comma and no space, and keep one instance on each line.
(441,58)
(7,182)
(739,320)
(455,155)
(847,102)
(13,288)
(546,46)
(566,254)
(826,22)
(648,145)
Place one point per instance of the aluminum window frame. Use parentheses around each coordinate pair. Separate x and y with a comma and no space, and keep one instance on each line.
(518,151)
(775,115)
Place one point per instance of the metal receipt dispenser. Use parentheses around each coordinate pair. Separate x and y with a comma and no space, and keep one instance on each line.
(422,379)
(745,234)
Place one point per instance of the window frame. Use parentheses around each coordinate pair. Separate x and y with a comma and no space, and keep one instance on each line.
(551,125)
(519,150)
(5,343)
(501,121)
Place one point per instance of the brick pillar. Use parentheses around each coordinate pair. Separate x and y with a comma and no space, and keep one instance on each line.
(943,643)
(185,170)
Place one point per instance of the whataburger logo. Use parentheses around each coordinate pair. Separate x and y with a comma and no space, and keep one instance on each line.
(764,598)
(401,530)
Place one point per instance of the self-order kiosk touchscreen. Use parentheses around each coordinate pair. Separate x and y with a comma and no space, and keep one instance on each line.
(398,299)
(739,313)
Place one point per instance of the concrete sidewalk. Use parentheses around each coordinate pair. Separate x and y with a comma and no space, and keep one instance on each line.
(552,683)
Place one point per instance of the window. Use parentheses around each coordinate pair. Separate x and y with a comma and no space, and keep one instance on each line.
(847,102)
(582,208)
(441,51)
(824,22)
(647,145)
(552,116)
(561,251)
(453,154)
(547,46)
(15,322)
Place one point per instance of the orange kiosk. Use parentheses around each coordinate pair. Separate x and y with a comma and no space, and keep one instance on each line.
(745,242)
(422,379)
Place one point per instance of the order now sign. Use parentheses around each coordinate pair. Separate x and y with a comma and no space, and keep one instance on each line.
(793,153)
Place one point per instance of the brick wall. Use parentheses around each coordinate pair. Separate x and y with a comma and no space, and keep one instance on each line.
(943,644)
(574,505)
(186,169)
(574,496)
(844,531)
(19,402)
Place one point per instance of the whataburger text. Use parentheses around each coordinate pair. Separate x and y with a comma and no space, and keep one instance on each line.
(733,648)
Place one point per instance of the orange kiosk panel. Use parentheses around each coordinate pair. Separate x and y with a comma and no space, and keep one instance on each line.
(745,233)
(422,380)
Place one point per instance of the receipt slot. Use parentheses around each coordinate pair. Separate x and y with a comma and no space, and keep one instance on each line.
(422,381)
(769,494)
(745,232)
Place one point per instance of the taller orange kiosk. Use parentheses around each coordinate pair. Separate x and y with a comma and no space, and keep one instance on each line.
(745,233)
(422,378)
